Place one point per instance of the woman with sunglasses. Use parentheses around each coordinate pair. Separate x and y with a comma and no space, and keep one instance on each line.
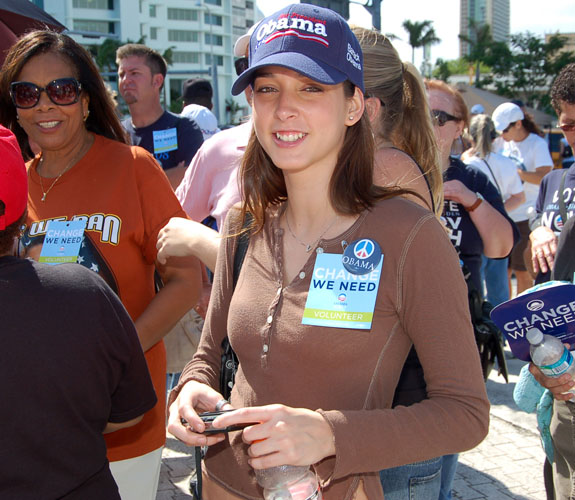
(523,144)
(472,208)
(321,389)
(52,94)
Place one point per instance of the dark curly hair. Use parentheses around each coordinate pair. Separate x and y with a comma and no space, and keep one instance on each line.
(563,88)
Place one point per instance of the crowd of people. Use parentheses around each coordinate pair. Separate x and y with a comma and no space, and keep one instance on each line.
(349,315)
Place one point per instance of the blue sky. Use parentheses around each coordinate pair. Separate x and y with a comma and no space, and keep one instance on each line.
(526,15)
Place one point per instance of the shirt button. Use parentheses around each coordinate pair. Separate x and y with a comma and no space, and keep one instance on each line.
(301,275)
(266,348)
(270,319)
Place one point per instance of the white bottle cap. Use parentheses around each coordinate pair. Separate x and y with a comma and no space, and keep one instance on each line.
(534,336)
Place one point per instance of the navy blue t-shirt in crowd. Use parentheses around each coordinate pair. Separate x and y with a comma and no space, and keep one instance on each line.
(548,201)
(463,233)
(171,139)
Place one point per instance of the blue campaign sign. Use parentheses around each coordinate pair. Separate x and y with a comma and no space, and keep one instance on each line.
(551,308)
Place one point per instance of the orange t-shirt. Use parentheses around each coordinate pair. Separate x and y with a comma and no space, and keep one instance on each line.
(125,199)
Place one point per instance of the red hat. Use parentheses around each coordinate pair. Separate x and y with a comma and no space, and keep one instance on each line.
(13,179)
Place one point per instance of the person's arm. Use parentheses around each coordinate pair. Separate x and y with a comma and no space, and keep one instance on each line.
(193,193)
(183,237)
(176,174)
(116,426)
(181,291)
(495,230)
(534,177)
(514,201)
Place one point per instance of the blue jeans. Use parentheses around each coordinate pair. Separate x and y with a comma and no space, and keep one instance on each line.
(418,481)
(494,274)
(448,469)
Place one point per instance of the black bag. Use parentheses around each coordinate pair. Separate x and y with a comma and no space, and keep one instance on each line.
(488,336)
(230,362)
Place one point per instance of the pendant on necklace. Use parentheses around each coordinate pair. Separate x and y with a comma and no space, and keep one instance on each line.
(44,197)
(308,248)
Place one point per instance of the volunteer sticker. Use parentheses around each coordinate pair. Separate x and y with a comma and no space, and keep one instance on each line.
(62,241)
(165,140)
(361,256)
(338,298)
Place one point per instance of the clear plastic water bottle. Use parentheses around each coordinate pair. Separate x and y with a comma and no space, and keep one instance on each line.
(550,355)
(289,482)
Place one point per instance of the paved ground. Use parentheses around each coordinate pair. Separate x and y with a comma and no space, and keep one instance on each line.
(507,465)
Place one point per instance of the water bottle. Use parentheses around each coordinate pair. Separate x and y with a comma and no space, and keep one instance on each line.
(550,355)
(289,482)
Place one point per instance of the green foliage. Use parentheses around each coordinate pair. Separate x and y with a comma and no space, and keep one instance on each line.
(524,69)
(528,67)
(421,33)
(442,70)
(480,43)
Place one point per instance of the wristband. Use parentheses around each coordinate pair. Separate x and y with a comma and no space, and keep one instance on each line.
(478,202)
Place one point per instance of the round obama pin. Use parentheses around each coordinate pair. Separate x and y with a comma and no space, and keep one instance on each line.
(361,256)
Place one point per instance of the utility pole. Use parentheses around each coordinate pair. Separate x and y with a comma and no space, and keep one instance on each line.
(374,8)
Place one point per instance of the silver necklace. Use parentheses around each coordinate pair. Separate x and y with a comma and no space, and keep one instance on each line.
(309,246)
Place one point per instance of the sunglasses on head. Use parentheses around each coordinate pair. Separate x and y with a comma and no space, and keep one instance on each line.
(441,117)
(568,127)
(62,92)
(241,65)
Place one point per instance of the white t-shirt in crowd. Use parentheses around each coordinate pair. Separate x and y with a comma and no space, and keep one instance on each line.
(501,171)
(528,154)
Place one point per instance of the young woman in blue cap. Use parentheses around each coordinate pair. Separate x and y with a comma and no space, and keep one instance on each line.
(340,279)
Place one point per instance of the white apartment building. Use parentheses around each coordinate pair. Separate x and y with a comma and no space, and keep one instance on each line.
(201,34)
(496,13)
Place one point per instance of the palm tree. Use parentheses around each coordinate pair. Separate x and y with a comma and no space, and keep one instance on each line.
(421,33)
(480,44)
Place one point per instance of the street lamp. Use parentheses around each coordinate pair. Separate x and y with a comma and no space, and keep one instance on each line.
(214,66)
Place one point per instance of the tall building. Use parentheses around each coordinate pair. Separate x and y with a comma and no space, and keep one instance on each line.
(197,31)
(496,13)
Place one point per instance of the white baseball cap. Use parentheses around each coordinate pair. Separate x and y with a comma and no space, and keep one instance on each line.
(243,41)
(505,114)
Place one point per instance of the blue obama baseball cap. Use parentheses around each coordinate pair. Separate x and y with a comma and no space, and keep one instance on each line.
(314,41)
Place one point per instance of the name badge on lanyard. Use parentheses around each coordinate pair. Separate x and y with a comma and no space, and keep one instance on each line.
(165,140)
(343,288)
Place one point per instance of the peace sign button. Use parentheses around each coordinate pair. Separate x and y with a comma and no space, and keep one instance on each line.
(361,256)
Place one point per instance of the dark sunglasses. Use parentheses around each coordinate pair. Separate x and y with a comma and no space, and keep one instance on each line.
(568,127)
(508,128)
(241,65)
(62,92)
(441,117)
